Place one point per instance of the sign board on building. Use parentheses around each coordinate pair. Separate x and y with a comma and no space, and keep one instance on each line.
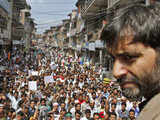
(16,42)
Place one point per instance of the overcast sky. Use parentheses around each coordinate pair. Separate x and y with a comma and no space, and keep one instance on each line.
(50,12)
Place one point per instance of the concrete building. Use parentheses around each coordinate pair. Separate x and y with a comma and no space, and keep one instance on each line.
(65,31)
(22,24)
(93,14)
(17,32)
(28,23)
(54,36)
(72,45)
(5,12)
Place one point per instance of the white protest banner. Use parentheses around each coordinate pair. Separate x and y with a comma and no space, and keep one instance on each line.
(48,79)
(53,67)
(34,73)
(32,85)
(29,72)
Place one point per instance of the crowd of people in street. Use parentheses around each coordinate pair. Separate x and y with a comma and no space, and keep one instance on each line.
(63,89)
(48,84)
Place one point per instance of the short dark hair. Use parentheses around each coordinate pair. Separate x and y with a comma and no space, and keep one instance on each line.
(87,111)
(112,113)
(140,20)
(113,104)
(43,99)
(77,104)
(20,113)
(63,110)
(12,110)
(96,114)
(131,110)
(123,103)
(78,112)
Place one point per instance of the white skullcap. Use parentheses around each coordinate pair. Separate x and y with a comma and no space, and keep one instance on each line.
(55,104)
(76,101)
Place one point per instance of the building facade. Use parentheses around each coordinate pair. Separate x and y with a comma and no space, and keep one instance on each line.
(5,12)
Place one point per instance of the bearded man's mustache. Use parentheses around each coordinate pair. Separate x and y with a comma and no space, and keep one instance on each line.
(124,80)
(132,94)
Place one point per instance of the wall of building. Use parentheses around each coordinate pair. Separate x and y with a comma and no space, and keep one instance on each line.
(4,23)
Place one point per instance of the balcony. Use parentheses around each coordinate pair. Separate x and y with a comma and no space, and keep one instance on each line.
(18,32)
(20,4)
(112,2)
(3,22)
(71,33)
(90,7)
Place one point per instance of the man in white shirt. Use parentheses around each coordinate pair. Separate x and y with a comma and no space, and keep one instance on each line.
(87,115)
(15,100)
(76,108)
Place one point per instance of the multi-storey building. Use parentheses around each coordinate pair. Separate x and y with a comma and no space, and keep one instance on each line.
(93,14)
(5,12)
(17,32)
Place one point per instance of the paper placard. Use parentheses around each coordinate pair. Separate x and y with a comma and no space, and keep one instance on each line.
(34,73)
(48,79)
(53,67)
(32,85)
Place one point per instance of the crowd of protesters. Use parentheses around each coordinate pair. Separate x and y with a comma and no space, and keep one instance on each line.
(77,91)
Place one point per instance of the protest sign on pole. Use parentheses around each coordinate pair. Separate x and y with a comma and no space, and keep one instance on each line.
(48,79)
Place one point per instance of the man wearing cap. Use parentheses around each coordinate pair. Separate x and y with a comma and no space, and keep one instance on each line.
(68,116)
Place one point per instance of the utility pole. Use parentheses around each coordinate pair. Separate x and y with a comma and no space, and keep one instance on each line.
(100,56)
(10,30)
(10,21)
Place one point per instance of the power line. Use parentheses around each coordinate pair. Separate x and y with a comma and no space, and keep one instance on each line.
(52,11)
(52,14)
(52,3)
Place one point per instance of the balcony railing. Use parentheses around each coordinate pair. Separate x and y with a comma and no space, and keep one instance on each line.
(19,32)
(112,2)
(84,7)
(97,3)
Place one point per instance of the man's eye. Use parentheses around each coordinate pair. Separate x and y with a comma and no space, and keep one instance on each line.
(129,58)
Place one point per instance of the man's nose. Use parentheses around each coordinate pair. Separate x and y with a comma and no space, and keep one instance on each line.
(119,69)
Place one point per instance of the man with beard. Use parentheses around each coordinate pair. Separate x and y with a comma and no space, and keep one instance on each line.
(131,115)
(132,38)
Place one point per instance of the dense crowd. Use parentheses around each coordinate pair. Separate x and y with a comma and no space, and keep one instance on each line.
(73,90)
